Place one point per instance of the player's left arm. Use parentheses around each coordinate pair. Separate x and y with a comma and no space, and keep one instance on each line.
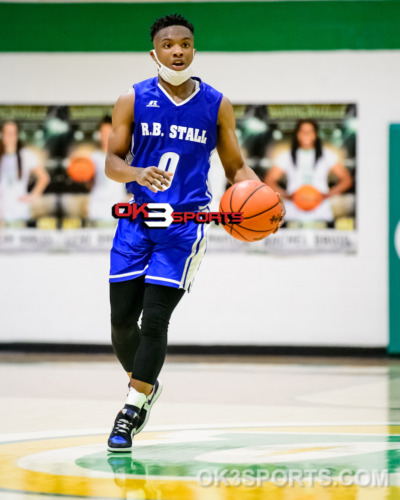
(42,181)
(229,152)
(345,180)
(228,148)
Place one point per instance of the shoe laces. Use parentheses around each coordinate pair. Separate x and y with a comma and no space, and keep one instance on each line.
(123,424)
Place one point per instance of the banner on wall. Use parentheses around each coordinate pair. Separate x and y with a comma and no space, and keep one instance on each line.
(394,239)
(54,195)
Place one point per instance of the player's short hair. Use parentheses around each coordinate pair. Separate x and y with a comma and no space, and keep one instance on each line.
(171,20)
(105,120)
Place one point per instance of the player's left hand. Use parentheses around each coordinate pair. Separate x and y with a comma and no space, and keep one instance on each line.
(283,213)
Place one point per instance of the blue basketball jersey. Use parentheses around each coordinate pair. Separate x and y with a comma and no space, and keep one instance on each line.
(178,138)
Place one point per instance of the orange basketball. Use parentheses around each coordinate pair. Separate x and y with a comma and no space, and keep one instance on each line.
(260,206)
(307,198)
(81,169)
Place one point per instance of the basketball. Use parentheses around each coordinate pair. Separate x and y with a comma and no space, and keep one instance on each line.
(307,198)
(261,209)
(81,169)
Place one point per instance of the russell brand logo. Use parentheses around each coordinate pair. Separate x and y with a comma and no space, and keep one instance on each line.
(163,215)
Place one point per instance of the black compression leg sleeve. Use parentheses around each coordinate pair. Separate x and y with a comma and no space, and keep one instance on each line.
(126,300)
(158,305)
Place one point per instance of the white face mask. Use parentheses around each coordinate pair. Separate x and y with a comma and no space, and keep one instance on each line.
(171,76)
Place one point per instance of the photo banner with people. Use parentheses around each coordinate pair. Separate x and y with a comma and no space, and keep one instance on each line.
(55,196)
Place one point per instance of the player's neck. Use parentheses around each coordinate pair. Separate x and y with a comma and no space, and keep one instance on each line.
(181,92)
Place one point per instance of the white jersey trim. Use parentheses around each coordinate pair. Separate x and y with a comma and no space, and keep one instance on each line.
(186,100)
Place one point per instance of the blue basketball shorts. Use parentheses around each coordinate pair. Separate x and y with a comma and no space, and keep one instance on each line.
(167,256)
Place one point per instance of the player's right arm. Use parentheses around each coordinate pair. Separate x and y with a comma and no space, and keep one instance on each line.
(118,146)
(272,178)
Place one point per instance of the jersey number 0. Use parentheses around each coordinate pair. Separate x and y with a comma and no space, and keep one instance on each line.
(169,162)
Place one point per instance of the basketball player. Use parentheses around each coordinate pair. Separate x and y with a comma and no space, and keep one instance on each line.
(177,122)
(308,162)
(17,164)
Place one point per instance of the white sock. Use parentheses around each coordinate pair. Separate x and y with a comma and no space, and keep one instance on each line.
(135,398)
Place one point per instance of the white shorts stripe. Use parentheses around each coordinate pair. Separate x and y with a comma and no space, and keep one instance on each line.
(197,258)
(127,274)
(192,253)
(163,279)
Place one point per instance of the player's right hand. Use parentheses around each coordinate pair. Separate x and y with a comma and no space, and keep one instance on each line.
(283,213)
(154,178)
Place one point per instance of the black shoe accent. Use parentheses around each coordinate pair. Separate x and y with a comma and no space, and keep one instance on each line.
(120,439)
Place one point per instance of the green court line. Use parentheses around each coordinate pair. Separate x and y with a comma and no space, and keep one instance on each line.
(219,26)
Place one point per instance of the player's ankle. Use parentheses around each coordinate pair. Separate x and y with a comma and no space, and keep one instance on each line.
(135,398)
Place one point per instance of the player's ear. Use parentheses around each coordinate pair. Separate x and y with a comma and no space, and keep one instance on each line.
(153,56)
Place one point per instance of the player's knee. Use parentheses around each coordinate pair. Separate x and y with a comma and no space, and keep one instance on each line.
(155,323)
(121,322)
